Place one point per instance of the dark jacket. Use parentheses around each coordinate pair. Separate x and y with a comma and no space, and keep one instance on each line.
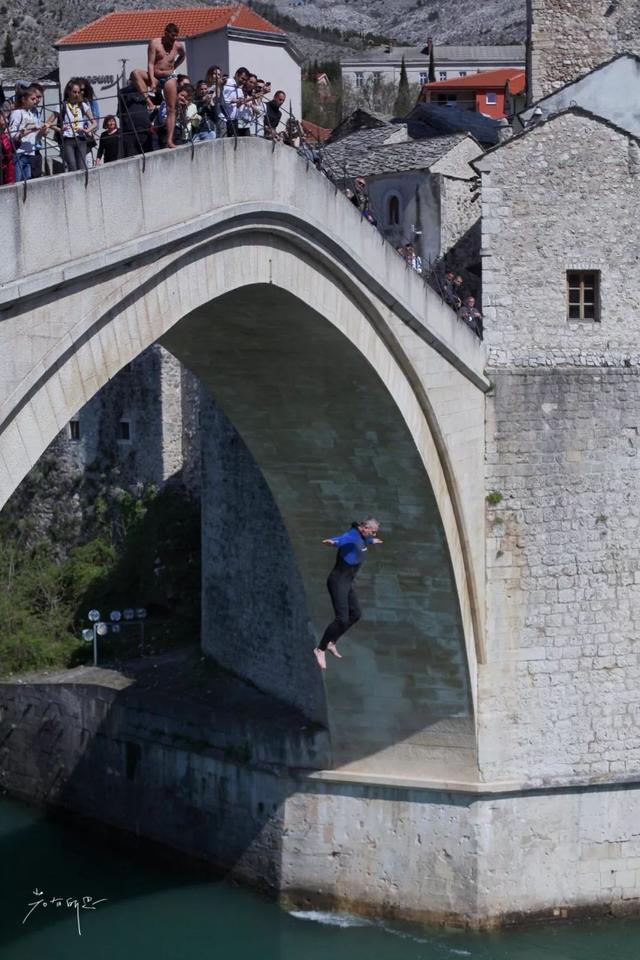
(132,110)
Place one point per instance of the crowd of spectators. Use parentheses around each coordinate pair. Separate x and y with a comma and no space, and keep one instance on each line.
(157,108)
(463,303)
(161,108)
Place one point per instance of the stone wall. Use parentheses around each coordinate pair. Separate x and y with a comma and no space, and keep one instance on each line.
(562,196)
(234,785)
(158,398)
(558,691)
(567,38)
(255,618)
(332,448)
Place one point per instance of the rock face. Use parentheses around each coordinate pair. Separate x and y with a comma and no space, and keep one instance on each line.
(36,24)
(570,37)
(137,433)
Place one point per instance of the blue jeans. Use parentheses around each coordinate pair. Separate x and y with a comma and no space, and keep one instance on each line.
(22,167)
(205,135)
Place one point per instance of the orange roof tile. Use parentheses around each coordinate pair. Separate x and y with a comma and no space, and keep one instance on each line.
(486,79)
(314,131)
(146,24)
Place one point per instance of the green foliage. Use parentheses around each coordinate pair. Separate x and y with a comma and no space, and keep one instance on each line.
(326,113)
(374,94)
(404,102)
(493,498)
(147,554)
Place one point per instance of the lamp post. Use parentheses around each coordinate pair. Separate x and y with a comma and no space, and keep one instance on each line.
(100,629)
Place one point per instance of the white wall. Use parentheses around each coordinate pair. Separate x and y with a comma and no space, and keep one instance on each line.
(207,50)
(271,62)
(611,92)
(390,72)
(101,61)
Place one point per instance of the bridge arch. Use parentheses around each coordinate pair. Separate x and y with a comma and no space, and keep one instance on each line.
(175,292)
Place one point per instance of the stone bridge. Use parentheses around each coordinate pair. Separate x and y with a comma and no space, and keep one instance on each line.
(355,389)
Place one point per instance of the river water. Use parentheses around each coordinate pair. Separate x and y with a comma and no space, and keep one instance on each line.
(150,911)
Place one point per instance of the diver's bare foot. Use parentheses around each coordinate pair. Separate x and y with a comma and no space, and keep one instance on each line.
(171,146)
(331,647)
(320,657)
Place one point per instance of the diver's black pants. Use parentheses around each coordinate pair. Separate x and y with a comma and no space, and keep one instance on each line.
(345,602)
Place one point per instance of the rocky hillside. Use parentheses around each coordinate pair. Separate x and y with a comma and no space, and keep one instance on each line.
(33,25)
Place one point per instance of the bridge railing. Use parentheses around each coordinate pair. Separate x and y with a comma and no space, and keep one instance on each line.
(432,271)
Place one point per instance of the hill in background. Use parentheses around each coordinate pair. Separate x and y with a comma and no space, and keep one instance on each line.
(33,25)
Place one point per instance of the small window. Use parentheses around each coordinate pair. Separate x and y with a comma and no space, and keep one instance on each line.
(583,295)
(74,430)
(393,211)
(442,75)
(424,76)
(359,80)
(124,431)
(462,73)
(492,98)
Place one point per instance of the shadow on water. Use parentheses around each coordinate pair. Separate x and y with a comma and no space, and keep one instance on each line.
(165,911)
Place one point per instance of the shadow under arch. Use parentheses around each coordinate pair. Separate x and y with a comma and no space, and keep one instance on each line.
(141,305)
(332,444)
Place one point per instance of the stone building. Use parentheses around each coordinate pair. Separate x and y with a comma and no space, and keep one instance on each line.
(139,432)
(568,38)
(144,422)
(421,191)
(610,91)
(383,64)
(561,290)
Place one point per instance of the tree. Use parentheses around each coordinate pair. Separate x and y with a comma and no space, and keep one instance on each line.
(403,101)
(8,56)
(432,64)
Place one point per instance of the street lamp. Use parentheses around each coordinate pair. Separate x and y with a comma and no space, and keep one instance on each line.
(99,628)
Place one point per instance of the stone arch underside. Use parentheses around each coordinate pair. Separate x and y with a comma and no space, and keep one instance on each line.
(412,692)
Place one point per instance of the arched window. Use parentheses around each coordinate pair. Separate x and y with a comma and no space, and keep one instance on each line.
(393,210)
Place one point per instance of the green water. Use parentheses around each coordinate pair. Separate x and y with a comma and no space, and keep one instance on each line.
(153,911)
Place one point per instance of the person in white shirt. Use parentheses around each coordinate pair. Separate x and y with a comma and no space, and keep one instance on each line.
(26,130)
(76,126)
(188,118)
(234,100)
(260,109)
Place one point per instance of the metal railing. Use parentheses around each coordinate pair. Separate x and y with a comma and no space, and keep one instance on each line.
(432,272)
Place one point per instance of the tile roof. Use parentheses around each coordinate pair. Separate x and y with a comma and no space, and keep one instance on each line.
(480,81)
(315,132)
(146,24)
(385,149)
(427,119)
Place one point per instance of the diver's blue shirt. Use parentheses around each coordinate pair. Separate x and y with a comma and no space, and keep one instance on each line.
(352,546)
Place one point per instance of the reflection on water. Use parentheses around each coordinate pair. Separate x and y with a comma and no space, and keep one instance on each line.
(160,912)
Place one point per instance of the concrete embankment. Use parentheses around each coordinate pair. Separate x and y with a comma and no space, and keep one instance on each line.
(183,754)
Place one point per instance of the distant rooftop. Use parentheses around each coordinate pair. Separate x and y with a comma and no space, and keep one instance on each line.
(442,54)
(433,119)
(384,149)
(488,79)
(139,25)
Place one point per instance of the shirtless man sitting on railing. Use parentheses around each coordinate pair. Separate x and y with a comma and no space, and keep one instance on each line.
(164,56)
